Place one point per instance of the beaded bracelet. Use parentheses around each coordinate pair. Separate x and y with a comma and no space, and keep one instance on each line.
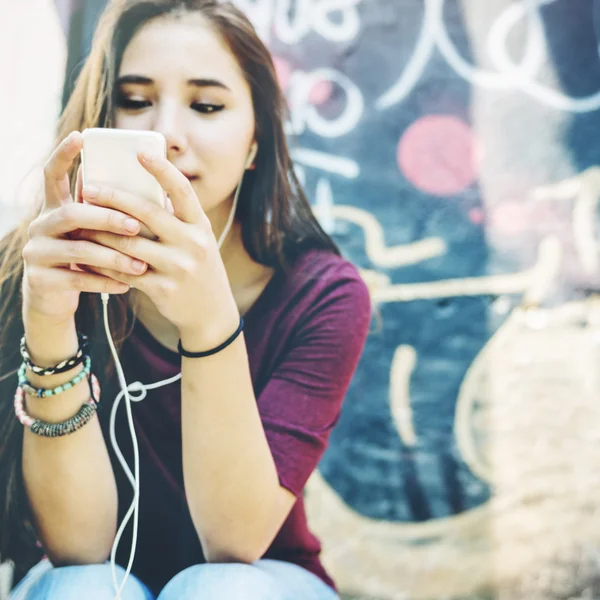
(61,367)
(45,429)
(45,393)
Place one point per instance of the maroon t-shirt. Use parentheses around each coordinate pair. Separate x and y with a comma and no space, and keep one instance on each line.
(304,335)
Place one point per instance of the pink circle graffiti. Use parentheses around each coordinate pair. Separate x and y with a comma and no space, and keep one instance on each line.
(438,155)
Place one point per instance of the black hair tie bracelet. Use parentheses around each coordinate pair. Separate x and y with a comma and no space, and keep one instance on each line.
(214,350)
(61,367)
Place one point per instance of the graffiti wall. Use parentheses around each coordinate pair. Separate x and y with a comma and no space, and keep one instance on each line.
(452,148)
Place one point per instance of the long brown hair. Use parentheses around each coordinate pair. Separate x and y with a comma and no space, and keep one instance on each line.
(276,218)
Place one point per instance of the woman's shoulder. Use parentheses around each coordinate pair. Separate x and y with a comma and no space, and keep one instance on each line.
(325,266)
(323,277)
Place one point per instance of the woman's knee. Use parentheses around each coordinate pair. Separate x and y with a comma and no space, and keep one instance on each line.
(221,581)
(92,582)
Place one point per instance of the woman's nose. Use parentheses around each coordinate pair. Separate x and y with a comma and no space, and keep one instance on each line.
(176,142)
(169,124)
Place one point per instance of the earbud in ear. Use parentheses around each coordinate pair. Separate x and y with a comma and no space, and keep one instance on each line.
(252,155)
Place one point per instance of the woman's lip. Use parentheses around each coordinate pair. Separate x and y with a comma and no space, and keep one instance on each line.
(191,177)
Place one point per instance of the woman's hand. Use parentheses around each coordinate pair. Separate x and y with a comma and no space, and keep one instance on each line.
(186,279)
(51,284)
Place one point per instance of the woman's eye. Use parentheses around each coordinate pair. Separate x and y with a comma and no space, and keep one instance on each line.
(207,108)
(201,107)
(129,104)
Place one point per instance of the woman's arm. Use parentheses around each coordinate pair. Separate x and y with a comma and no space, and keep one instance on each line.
(69,480)
(231,482)
(243,470)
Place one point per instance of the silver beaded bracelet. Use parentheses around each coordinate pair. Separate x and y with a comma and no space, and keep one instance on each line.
(45,429)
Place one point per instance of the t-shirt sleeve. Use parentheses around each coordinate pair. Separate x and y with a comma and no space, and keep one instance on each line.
(302,400)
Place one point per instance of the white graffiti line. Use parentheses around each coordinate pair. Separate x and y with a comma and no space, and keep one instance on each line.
(538,285)
(536,49)
(376,531)
(532,282)
(349,25)
(350,117)
(288,31)
(470,392)
(387,256)
(416,65)
(509,75)
(467,394)
(374,279)
(470,286)
(544,274)
(314,15)
(403,364)
(434,35)
(530,64)
(474,75)
(292,24)
(338,165)
(325,204)
(552,98)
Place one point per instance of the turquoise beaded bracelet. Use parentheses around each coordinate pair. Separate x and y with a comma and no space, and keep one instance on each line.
(45,429)
(45,393)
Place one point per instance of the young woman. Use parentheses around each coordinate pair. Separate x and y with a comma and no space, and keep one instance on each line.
(279,316)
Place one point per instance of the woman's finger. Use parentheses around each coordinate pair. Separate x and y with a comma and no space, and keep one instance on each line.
(159,220)
(178,187)
(48,279)
(74,216)
(160,257)
(56,178)
(112,274)
(51,252)
(148,283)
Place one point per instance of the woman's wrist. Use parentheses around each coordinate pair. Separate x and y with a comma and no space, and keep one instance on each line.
(50,343)
(207,338)
(47,348)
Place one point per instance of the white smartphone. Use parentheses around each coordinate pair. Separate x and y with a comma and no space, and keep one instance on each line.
(109,157)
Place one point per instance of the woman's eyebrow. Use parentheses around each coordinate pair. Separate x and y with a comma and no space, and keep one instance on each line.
(208,83)
(137,79)
(142,80)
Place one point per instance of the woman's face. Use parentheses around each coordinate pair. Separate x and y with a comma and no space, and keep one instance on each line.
(178,77)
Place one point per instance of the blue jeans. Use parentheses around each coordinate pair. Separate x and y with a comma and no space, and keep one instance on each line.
(262,580)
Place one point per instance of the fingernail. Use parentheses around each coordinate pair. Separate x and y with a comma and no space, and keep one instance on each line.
(71,137)
(138,266)
(131,225)
(91,191)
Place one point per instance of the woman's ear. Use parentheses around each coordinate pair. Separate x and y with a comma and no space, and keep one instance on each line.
(252,156)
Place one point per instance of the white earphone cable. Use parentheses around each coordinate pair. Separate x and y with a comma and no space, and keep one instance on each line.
(125,392)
